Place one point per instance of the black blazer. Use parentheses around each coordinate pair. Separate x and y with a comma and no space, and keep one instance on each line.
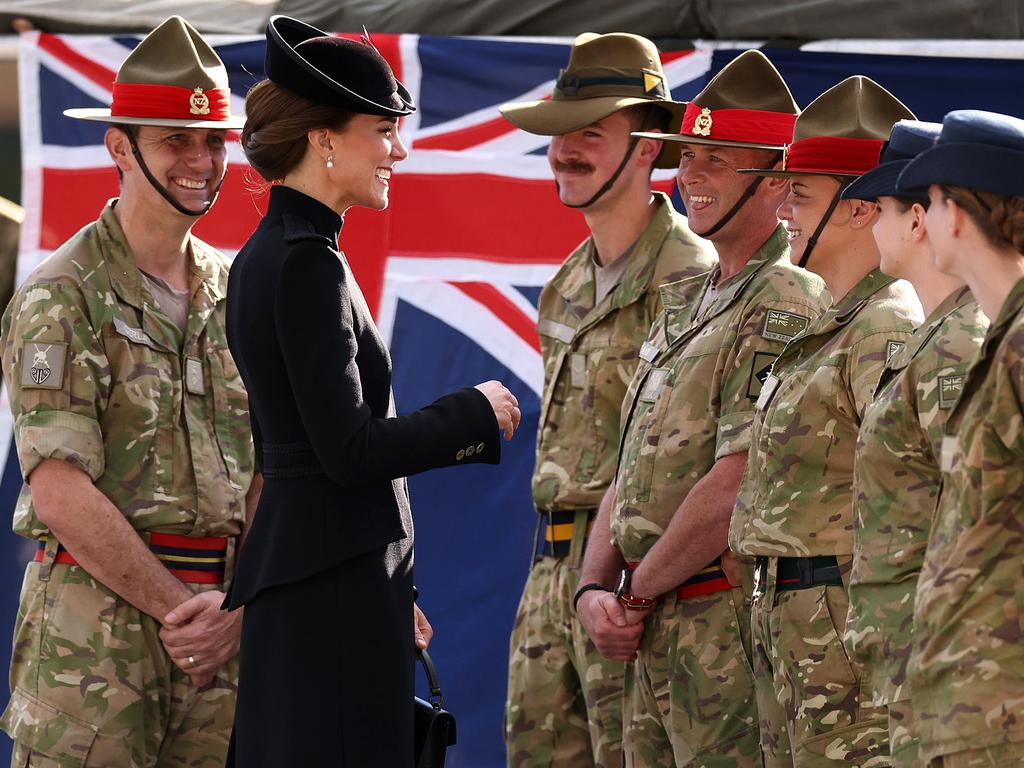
(332,452)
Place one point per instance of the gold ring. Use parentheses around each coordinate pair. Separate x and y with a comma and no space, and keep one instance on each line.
(192,660)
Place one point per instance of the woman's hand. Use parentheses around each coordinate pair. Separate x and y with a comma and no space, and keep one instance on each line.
(422,630)
(505,405)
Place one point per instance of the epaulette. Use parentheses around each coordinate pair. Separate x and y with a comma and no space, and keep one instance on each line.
(297,228)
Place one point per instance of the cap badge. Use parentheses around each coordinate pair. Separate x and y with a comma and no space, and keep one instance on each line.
(199,102)
(651,82)
(702,124)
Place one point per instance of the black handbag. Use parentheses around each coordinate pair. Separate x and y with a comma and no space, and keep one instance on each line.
(434,725)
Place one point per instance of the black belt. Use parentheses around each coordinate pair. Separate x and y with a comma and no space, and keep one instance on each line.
(556,530)
(803,572)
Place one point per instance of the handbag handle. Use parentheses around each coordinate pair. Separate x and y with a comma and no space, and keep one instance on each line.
(436,697)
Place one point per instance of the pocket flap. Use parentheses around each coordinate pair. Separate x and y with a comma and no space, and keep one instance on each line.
(46,730)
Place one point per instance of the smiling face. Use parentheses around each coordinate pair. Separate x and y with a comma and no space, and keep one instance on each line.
(365,151)
(710,185)
(802,211)
(188,162)
(582,161)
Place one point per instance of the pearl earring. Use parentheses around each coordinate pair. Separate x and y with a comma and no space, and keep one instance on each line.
(330,161)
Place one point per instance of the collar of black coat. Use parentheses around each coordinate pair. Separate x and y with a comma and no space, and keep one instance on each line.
(305,216)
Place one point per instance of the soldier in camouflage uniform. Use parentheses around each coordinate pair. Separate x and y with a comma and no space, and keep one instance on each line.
(131,426)
(896,477)
(564,697)
(966,672)
(686,417)
(794,511)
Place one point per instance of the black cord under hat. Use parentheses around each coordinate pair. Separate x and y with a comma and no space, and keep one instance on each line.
(164,193)
(813,239)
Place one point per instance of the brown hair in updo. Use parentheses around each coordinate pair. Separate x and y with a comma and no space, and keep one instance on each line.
(277,122)
(999,217)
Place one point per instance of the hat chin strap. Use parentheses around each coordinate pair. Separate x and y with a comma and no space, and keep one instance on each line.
(747,194)
(160,187)
(611,182)
(813,239)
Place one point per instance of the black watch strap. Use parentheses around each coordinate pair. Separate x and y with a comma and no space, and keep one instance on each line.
(586,588)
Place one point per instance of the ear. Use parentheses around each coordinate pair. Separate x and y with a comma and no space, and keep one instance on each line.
(957,217)
(862,213)
(320,141)
(647,150)
(918,230)
(119,148)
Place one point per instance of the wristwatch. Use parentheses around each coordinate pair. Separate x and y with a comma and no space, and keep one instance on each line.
(629,600)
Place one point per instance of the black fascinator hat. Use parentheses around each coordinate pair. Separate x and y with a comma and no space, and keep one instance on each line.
(341,73)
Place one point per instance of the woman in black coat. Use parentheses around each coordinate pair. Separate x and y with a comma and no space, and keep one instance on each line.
(325,575)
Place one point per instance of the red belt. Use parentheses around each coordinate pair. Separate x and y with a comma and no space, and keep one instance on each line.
(707,581)
(193,559)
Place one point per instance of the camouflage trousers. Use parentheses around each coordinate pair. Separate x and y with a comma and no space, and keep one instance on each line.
(904,744)
(564,698)
(690,692)
(803,665)
(1002,756)
(92,686)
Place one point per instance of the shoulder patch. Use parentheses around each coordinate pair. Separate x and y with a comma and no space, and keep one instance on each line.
(949,390)
(42,365)
(892,347)
(296,229)
(760,370)
(783,326)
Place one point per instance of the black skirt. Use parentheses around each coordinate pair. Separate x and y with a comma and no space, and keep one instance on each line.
(327,669)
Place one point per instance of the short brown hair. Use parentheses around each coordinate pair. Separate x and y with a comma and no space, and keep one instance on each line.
(276,125)
(999,217)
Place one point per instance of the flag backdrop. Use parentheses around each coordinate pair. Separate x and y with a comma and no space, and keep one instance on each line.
(453,270)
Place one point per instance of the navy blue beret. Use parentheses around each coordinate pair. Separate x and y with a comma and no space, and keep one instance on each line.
(909,138)
(978,150)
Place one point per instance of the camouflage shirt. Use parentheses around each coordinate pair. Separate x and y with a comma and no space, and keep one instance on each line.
(101,378)
(692,397)
(590,354)
(796,496)
(967,670)
(896,482)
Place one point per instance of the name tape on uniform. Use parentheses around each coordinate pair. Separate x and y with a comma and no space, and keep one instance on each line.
(137,335)
(648,352)
(564,333)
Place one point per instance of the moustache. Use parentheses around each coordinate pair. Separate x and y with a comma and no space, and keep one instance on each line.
(573,167)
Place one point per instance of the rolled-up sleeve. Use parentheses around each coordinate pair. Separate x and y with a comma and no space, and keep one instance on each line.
(57,377)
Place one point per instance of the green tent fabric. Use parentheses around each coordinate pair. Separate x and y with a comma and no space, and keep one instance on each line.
(709,19)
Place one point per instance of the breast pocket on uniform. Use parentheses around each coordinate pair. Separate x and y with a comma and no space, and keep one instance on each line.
(138,420)
(231,417)
(640,444)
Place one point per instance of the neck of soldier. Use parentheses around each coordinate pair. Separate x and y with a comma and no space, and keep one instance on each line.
(992,273)
(616,221)
(739,240)
(847,263)
(931,286)
(158,237)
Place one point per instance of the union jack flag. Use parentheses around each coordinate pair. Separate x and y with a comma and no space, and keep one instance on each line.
(453,270)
